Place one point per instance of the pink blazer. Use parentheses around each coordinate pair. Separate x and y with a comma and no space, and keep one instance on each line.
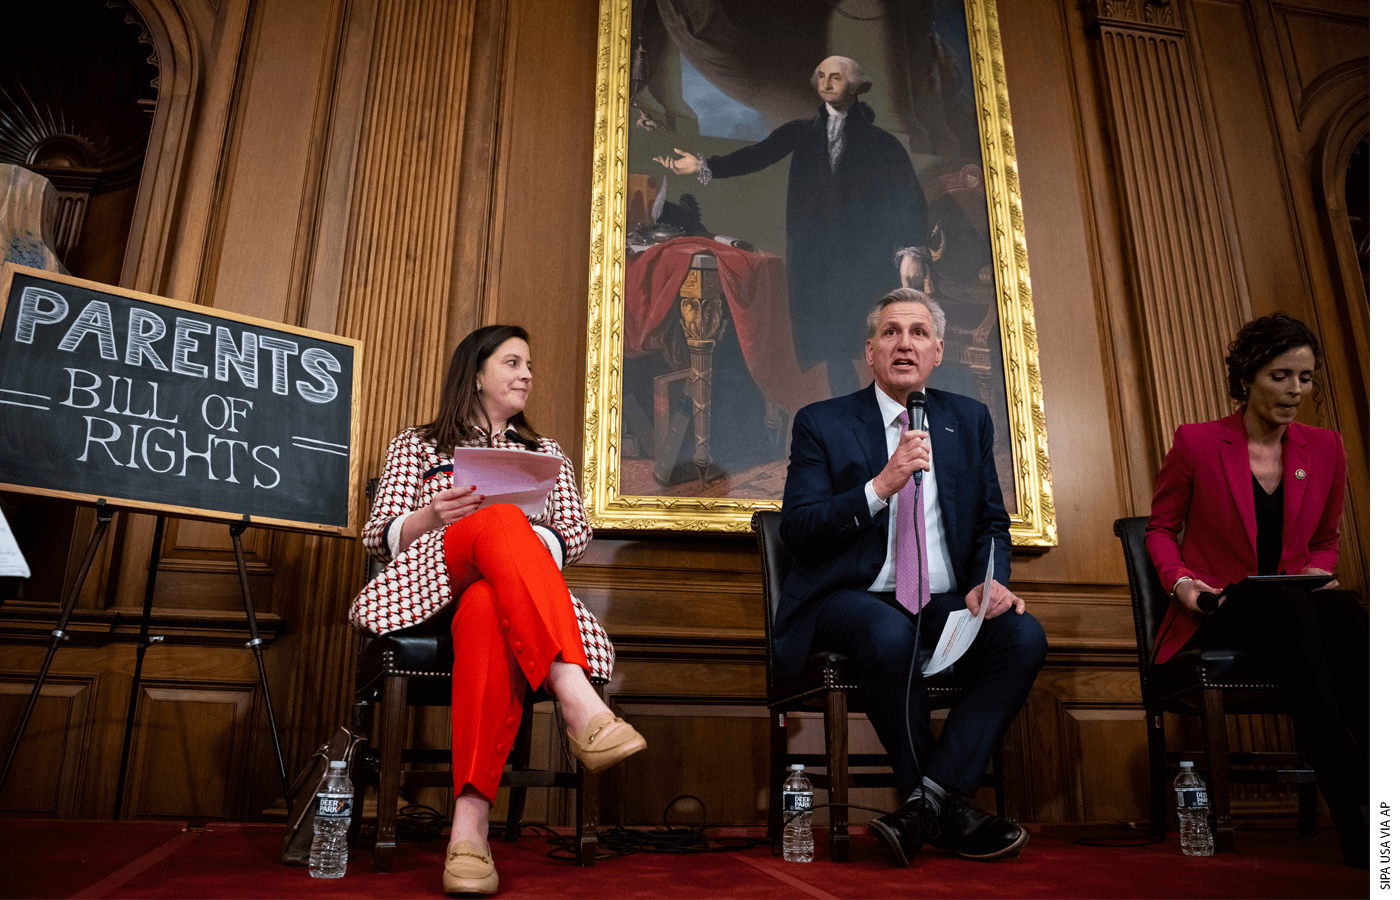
(1202,522)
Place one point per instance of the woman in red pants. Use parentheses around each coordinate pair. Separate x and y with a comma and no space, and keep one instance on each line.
(515,626)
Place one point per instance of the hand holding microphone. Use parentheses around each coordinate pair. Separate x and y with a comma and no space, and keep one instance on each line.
(918,413)
(911,454)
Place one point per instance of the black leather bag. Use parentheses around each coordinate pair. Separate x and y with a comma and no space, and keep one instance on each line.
(301,823)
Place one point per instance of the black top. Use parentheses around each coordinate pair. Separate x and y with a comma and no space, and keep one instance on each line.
(1268,523)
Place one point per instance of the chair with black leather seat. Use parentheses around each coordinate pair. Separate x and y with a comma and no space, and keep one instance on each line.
(413,667)
(1208,684)
(827,684)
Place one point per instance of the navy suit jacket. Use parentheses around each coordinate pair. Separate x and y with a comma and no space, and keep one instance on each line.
(837,446)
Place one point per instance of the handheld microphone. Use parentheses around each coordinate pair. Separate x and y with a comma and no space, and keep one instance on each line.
(1207,601)
(918,411)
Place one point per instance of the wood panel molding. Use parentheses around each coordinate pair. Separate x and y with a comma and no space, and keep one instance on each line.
(402,233)
(47,770)
(400,238)
(214,725)
(182,50)
(1312,57)
(1189,289)
(1105,760)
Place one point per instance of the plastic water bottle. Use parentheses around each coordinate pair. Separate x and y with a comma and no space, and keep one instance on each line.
(334,798)
(797,833)
(1193,810)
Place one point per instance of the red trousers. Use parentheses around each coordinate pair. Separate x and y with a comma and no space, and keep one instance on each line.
(513,619)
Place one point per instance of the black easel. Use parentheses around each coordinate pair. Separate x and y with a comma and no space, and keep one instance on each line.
(144,639)
(104,518)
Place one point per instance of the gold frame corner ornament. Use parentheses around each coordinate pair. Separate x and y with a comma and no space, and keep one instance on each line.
(1033,525)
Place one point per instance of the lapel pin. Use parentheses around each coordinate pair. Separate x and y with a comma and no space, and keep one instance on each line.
(1299,474)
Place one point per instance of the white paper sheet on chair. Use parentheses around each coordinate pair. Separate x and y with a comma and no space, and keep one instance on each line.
(507,476)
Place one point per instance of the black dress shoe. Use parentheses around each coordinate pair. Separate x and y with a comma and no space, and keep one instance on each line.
(904,831)
(973,834)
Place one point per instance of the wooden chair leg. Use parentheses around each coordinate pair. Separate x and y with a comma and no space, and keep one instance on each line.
(837,738)
(999,776)
(1307,809)
(1157,771)
(587,795)
(586,815)
(359,720)
(520,759)
(393,732)
(1217,762)
(777,773)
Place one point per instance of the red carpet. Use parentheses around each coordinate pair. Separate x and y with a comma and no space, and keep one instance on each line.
(53,859)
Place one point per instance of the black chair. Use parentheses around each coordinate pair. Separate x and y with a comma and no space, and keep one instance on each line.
(1208,684)
(827,684)
(413,667)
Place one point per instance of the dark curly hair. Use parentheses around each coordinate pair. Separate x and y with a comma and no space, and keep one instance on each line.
(1262,340)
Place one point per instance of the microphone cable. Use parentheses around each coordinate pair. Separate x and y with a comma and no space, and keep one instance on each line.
(922,599)
(918,415)
(622,841)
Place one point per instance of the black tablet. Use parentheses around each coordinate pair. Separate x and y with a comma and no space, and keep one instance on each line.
(1301,582)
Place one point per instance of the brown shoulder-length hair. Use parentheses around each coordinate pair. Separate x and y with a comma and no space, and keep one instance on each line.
(459,398)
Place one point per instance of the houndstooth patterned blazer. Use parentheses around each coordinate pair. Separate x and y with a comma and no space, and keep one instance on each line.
(414,584)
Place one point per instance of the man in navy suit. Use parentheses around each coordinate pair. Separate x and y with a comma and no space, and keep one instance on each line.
(851,456)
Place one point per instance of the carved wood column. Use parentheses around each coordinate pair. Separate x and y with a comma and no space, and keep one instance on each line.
(1179,228)
(394,295)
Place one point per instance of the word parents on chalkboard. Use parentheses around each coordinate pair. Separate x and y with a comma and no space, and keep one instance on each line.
(168,406)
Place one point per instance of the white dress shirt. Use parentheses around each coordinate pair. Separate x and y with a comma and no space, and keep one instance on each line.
(940,563)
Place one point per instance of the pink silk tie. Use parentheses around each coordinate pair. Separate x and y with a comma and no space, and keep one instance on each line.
(908,539)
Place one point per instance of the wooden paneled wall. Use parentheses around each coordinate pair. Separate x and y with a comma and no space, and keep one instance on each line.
(401,171)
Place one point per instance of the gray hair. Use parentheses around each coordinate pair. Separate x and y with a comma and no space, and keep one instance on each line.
(860,82)
(906,295)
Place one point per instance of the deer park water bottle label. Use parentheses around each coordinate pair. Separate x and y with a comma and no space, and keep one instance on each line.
(1191,798)
(334,806)
(796,800)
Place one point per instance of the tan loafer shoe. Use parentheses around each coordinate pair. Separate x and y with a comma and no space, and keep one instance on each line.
(607,741)
(470,869)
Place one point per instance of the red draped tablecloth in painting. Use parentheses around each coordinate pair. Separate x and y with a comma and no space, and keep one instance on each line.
(755,288)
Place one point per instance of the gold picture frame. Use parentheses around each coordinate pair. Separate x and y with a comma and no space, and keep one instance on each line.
(1027,487)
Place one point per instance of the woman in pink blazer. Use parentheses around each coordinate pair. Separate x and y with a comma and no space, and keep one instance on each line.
(1256,493)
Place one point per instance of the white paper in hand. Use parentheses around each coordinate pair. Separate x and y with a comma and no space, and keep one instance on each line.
(961,627)
(507,476)
(12,564)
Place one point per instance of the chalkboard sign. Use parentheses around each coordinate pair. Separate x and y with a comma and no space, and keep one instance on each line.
(159,405)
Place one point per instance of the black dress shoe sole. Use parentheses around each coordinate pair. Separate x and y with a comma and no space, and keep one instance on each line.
(890,841)
(1011,850)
